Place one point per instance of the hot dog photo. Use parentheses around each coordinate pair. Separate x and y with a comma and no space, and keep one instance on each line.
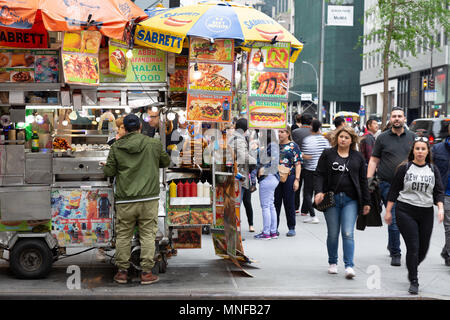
(267,114)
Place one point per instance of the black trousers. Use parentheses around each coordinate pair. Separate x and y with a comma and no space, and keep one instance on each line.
(415,225)
(284,194)
(247,200)
(297,193)
(308,190)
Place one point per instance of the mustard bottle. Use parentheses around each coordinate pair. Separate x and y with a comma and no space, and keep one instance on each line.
(172,190)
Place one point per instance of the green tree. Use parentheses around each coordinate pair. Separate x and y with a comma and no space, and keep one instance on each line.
(403,25)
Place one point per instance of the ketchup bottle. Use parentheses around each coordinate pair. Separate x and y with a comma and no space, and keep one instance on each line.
(193,189)
(187,189)
(180,189)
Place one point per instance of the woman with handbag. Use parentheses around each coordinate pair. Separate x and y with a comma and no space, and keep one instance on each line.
(342,193)
(289,170)
(417,186)
(268,179)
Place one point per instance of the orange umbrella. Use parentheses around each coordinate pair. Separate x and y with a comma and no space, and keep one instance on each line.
(110,17)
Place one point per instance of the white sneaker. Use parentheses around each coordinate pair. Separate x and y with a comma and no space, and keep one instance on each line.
(349,273)
(308,220)
(333,269)
(315,220)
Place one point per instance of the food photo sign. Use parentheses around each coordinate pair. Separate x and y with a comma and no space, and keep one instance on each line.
(35,66)
(268,85)
(178,81)
(210,80)
(80,57)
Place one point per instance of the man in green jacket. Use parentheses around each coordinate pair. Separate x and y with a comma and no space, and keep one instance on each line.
(134,160)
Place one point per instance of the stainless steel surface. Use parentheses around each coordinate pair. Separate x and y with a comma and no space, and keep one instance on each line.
(38,168)
(12,166)
(25,203)
(81,184)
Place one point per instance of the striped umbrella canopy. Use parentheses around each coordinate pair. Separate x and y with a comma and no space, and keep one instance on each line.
(167,29)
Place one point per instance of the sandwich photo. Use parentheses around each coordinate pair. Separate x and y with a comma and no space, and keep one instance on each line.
(118,59)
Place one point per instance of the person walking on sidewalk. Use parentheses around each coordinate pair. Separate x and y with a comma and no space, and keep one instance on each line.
(298,135)
(290,157)
(417,185)
(268,179)
(368,141)
(441,159)
(134,160)
(391,148)
(313,146)
(342,169)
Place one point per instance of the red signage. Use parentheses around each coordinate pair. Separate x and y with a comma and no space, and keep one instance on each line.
(36,37)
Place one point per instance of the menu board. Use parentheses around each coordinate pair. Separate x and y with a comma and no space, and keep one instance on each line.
(219,51)
(80,57)
(210,80)
(37,66)
(147,65)
(214,77)
(208,107)
(267,114)
(268,85)
(178,81)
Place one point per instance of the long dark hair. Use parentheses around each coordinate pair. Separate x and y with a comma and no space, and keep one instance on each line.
(428,159)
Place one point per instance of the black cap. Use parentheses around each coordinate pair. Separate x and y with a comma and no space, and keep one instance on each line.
(131,123)
(242,124)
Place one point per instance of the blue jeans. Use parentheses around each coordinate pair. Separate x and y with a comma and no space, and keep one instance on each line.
(341,217)
(267,188)
(393,232)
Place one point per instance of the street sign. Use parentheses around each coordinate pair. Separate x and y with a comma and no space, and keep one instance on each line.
(306,96)
(340,16)
(430,95)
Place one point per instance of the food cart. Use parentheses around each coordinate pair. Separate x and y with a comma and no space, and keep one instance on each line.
(60,198)
(350,117)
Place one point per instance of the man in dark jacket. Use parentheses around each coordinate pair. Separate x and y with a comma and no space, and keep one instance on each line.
(441,159)
(135,160)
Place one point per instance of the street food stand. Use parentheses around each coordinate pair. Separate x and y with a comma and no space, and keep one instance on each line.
(58,198)
(350,117)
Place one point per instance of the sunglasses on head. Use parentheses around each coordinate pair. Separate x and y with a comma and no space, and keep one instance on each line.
(424,139)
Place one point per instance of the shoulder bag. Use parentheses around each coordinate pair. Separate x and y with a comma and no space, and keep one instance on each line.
(328,198)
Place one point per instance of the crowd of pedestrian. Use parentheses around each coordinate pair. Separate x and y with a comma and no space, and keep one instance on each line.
(394,166)
(341,174)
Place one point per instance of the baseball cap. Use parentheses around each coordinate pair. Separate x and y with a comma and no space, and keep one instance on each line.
(131,123)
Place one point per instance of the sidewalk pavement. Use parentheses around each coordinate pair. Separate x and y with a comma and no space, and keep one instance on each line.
(286,268)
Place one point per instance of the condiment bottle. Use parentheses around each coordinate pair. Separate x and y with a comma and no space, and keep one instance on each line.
(180,189)
(206,190)
(35,142)
(193,189)
(172,190)
(187,189)
(200,189)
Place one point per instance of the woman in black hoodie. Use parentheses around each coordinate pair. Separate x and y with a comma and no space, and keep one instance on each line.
(342,169)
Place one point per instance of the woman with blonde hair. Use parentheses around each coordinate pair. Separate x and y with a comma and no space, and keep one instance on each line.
(342,170)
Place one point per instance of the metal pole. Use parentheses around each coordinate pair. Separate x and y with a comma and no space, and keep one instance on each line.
(322,46)
(317,78)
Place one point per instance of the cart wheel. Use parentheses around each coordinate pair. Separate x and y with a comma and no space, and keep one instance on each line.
(31,259)
(163,264)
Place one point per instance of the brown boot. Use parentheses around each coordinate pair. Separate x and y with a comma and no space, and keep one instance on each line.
(148,278)
(121,276)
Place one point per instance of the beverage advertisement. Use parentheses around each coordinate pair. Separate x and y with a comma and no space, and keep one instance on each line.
(209,107)
(187,238)
(18,65)
(271,56)
(267,114)
(268,84)
(81,217)
(220,50)
(210,76)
